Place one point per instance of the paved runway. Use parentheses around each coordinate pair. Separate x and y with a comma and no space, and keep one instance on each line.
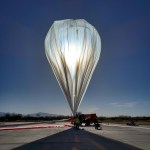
(134,135)
(87,138)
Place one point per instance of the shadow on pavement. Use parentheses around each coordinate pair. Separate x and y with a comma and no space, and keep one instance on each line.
(76,140)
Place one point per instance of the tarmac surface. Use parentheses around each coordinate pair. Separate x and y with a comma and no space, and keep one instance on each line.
(57,136)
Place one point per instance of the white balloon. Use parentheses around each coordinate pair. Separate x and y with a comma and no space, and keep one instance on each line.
(73,49)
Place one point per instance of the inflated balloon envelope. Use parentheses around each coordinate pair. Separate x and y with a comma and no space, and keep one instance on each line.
(73,49)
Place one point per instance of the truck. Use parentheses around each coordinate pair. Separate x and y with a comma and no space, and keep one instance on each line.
(87,119)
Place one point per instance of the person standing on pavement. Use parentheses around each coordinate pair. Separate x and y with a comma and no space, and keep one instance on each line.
(77,122)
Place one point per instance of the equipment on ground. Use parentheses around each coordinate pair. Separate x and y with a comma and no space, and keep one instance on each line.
(131,123)
(87,119)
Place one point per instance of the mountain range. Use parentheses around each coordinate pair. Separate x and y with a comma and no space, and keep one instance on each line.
(39,114)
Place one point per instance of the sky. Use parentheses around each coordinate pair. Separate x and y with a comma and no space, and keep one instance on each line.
(121,82)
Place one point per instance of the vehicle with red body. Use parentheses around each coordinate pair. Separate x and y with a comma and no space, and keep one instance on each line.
(87,119)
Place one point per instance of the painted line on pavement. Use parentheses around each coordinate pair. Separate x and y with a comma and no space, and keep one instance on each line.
(36,127)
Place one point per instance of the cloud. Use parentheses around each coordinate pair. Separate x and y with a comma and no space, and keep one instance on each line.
(125,104)
(93,109)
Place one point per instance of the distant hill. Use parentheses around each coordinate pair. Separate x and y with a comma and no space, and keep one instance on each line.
(2,114)
(42,114)
(39,114)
